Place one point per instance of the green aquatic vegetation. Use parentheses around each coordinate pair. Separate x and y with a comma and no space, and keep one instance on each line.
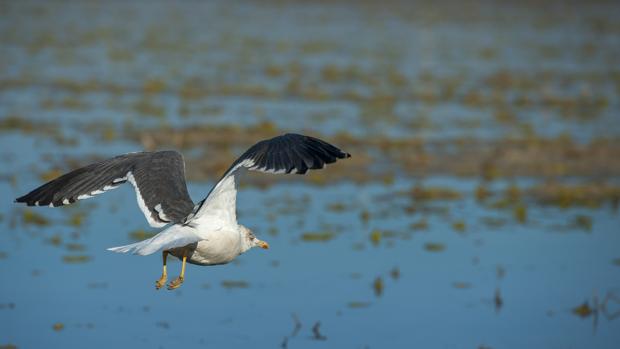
(461,285)
(365,216)
(493,222)
(422,224)
(378,286)
(3,255)
(489,171)
(73,103)
(192,89)
(17,123)
(337,207)
(76,259)
(505,116)
(482,193)
(501,204)
(139,235)
(120,55)
(616,261)
(148,108)
(375,237)
(512,193)
(274,71)
(475,99)
(153,86)
(459,226)
(488,53)
(388,179)
(420,193)
(520,213)
(108,133)
(583,222)
(51,174)
(31,217)
(565,196)
(333,73)
(54,240)
(583,310)
(318,236)
(230,284)
(75,247)
(76,219)
(358,304)
(532,156)
(434,247)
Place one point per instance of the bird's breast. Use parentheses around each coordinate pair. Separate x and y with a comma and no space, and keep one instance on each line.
(219,248)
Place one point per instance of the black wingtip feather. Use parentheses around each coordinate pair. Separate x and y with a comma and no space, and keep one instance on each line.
(25,199)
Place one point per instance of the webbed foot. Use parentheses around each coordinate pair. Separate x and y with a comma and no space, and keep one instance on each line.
(176,283)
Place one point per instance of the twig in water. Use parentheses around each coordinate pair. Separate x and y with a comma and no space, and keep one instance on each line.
(317,334)
(297,325)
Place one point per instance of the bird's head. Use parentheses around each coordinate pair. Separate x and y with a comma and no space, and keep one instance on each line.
(250,240)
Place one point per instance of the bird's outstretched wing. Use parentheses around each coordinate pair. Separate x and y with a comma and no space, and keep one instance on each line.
(289,153)
(157,177)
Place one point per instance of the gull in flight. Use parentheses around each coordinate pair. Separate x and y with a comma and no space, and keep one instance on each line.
(206,233)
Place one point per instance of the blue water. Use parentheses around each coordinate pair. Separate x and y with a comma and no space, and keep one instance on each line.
(111,299)
(508,285)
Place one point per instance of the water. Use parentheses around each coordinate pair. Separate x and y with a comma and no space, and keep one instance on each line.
(395,271)
(111,299)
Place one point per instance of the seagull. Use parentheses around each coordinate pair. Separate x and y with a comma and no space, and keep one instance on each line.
(206,233)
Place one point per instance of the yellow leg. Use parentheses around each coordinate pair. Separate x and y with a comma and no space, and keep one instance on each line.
(176,283)
(183,267)
(164,275)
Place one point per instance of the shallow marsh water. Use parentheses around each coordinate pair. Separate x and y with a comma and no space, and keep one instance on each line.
(403,261)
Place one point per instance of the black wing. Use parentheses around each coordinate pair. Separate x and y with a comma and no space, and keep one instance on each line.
(289,153)
(158,179)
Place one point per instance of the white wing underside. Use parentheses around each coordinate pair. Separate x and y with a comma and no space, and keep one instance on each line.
(220,207)
(175,236)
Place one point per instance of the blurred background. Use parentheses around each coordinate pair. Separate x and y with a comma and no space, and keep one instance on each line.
(479,208)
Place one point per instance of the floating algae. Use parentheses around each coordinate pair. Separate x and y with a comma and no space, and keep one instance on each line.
(434,247)
(59,326)
(76,259)
(318,236)
(139,235)
(230,284)
(32,217)
(358,305)
(378,286)
(583,310)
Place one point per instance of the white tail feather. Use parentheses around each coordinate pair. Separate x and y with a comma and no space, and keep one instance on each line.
(175,236)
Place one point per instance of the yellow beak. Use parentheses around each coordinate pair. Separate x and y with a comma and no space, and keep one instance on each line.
(263,244)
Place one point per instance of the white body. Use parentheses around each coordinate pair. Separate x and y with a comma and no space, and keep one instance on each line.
(212,236)
(217,247)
